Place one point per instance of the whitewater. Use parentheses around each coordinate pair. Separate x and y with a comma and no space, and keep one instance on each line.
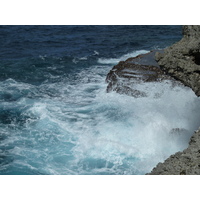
(73,126)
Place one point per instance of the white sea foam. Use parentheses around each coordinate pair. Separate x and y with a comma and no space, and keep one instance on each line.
(96,53)
(122,58)
(84,130)
(119,134)
(83,58)
(137,131)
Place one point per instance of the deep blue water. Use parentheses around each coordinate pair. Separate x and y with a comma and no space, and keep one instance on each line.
(55,114)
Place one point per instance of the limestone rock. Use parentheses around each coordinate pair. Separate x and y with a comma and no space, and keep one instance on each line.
(186,162)
(182,60)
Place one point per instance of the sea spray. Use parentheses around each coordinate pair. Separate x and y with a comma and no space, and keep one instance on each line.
(55,114)
(137,133)
(122,58)
(84,130)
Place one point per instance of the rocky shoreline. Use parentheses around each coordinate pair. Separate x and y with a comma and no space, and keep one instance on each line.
(179,63)
(186,162)
(124,77)
(182,60)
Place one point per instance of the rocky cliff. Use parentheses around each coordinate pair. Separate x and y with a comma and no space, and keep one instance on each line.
(124,77)
(182,60)
(179,63)
(186,162)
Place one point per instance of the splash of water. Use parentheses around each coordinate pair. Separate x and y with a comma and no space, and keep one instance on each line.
(75,127)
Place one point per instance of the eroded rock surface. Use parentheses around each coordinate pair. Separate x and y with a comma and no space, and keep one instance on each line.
(182,60)
(126,74)
(186,162)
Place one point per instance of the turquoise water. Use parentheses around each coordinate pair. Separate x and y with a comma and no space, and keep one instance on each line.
(55,114)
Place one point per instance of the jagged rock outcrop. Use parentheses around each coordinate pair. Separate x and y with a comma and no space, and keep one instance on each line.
(126,74)
(182,60)
(186,162)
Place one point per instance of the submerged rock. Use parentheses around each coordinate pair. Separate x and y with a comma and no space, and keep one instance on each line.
(126,74)
(182,60)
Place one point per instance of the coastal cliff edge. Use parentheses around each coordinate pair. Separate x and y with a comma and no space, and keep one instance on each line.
(179,63)
(182,62)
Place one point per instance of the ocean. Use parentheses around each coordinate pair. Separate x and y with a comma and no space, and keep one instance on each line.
(56,117)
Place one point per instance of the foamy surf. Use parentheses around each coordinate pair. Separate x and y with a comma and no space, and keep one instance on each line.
(122,58)
(75,127)
(130,136)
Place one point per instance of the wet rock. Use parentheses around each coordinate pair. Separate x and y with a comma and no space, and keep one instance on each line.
(126,74)
(182,60)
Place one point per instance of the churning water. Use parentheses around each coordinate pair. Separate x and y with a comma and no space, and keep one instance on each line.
(55,114)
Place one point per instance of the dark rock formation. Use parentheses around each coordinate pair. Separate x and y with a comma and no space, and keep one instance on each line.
(186,162)
(182,60)
(143,68)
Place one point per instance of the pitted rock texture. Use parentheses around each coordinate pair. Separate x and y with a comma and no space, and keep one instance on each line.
(182,60)
(186,162)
